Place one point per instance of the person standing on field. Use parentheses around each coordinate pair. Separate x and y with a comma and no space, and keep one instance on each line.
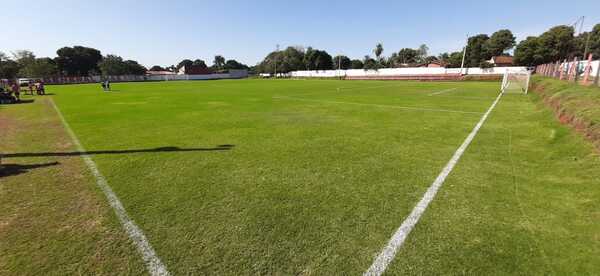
(16,90)
(30,86)
(40,88)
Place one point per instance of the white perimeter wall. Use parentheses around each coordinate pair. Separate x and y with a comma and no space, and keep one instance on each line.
(404,71)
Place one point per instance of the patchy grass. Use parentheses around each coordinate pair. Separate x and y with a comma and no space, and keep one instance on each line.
(314,176)
(53,219)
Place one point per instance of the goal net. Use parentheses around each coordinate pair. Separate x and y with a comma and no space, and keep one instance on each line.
(516,82)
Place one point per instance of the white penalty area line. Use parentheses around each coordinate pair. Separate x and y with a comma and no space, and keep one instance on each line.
(154,265)
(442,91)
(378,105)
(388,253)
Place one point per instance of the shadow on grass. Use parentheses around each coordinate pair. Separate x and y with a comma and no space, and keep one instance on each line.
(16,169)
(98,152)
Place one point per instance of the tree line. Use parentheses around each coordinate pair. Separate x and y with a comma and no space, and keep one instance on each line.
(481,48)
(555,44)
(558,43)
(80,61)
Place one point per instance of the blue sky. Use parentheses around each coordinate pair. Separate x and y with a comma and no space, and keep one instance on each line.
(165,32)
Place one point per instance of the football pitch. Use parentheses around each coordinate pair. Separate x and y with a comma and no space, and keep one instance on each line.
(288,177)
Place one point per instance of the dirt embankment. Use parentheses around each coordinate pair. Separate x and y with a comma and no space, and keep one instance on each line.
(574,105)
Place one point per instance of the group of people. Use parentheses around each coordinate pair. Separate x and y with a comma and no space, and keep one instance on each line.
(12,90)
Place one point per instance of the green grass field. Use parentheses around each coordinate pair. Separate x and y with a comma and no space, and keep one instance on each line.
(284,177)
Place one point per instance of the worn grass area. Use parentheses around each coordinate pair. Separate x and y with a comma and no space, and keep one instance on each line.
(53,219)
(313,177)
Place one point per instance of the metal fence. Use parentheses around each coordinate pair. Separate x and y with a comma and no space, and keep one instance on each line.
(585,72)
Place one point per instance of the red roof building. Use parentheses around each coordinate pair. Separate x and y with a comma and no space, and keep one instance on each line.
(502,61)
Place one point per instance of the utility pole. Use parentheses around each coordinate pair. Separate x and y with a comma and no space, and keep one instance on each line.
(276,54)
(462,65)
(339,66)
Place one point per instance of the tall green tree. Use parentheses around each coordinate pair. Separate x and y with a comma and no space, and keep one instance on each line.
(185,62)
(342,62)
(200,63)
(556,44)
(290,59)
(315,59)
(422,53)
(8,68)
(476,50)
(113,65)
(157,68)
(356,64)
(219,62)
(378,51)
(455,60)
(407,56)
(369,63)
(526,53)
(39,68)
(500,42)
(78,60)
(233,64)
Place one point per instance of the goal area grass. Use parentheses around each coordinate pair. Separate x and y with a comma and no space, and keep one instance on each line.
(287,177)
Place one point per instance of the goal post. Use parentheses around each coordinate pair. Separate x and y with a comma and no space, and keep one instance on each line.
(516,82)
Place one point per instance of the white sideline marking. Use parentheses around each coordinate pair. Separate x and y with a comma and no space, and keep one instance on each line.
(443,91)
(379,105)
(153,263)
(389,251)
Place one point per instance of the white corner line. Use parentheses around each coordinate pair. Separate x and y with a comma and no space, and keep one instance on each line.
(386,256)
(154,265)
(442,91)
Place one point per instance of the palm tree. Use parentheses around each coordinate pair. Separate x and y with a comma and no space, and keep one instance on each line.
(378,51)
(219,62)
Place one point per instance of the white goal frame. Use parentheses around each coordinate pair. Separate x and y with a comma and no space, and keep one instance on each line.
(518,80)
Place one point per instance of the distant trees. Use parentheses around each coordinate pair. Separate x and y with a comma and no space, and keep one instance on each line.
(476,50)
(294,59)
(218,63)
(233,64)
(499,42)
(185,62)
(113,65)
(342,62)
(25,64)
(200,63)
(407,56)
(357,64)
(378,51)
(8,68)
(39,68)
(526,52)
(78,60)
(594,41)
(369,63)
(315,59)
(157,68)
